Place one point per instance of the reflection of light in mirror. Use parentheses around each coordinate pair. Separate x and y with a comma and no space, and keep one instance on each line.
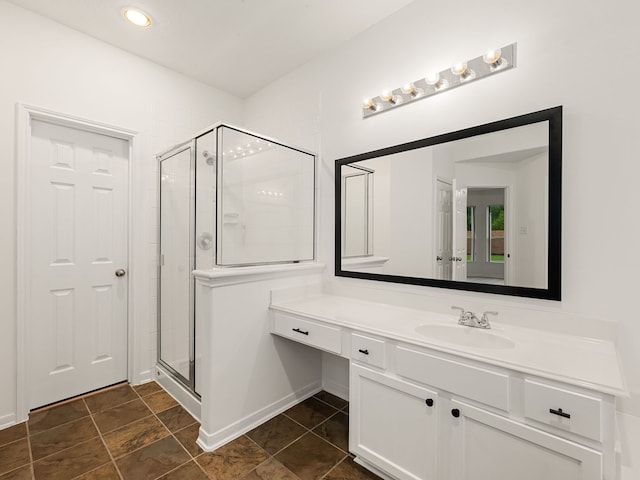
(270,193)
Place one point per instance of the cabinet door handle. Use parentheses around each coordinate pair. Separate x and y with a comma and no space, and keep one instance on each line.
(364,352)
(300,331)
(455,412)
(560,413)
(429,402)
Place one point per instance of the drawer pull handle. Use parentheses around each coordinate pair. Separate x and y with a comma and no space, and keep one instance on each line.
(364,352)
(300,331)
(455,412)
(560,413)
(429,402)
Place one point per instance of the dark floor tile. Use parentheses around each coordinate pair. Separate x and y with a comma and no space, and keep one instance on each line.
(60,438)
(153,460)
(310,412)
(147,388)
(22,473)
(270,470)
(11,434)
(350,470)
(176,418)
(55,416)
(233,460)
(105,472)
(160,401)
(346,409)
(72,462)
(276,434)
(187,437)
(14,455)
(335,430)
(134,436)
(189,471)
(310,457)
(110,398)
(331,399)
(109,420)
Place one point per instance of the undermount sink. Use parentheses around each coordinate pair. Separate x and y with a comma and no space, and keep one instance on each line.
(465,336)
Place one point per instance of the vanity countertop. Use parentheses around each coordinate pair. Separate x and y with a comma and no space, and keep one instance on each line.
(586,362)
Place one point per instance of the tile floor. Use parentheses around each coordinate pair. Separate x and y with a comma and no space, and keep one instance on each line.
(141,433)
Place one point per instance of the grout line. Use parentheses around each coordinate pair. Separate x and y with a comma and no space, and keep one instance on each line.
(334,467)
(31,467)
(104,443)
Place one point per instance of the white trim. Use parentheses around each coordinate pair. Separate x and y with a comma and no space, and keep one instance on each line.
(210,441)
(184,397)
(24,116)
(7,420)
(219,277)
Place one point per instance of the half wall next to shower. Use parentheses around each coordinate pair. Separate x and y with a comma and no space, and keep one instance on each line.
(228,198)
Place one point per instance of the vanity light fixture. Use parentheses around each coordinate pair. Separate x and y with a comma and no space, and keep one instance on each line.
(461,73)
(137,17)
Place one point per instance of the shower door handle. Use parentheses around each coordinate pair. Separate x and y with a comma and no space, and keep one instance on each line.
(121,272)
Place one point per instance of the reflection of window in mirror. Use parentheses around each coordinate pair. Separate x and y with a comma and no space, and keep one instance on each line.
(496,233)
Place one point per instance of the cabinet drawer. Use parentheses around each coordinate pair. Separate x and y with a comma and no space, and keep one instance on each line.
(479,384)
(574,412)
(308,332)
(368,350)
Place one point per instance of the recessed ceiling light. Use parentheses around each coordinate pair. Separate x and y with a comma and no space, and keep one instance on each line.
(137,17)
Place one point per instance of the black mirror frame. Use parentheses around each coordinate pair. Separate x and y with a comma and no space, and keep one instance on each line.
(554,267)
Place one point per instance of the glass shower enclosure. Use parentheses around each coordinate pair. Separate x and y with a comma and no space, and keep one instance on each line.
(228,198)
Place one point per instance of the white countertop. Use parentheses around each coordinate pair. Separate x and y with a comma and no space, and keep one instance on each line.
(586,362)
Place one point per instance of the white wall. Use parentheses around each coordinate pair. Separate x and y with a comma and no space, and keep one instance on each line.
(559,47)
(47,65)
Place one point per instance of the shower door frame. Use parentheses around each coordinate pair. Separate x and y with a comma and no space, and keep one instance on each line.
(189,383)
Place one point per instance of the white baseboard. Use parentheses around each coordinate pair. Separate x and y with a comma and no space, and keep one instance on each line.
(7,420)
(336,389)
(174,388)
(210,441)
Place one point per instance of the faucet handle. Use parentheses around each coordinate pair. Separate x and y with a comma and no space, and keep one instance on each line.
(463,314)
(484,315)
(457,308)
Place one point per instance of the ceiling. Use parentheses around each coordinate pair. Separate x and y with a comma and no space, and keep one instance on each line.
(238,46)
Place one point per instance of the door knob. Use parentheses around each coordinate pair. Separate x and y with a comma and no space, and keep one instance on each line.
(120,272)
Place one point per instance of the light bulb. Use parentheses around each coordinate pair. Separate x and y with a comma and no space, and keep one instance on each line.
(409,89)
(369,104)
(433,79)
(464,71)
(459,68)
(388,96)
(491,56)
(494,59)
(137,17)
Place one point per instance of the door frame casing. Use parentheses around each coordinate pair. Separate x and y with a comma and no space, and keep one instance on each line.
(25,114)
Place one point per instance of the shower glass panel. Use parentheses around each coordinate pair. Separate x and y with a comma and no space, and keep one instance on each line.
(228,198)
(176,332)
(266,210)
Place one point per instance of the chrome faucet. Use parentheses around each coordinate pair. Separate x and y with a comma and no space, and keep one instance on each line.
(469,319)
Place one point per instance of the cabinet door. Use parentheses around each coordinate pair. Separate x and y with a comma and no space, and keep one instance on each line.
(393,425)
(485,446)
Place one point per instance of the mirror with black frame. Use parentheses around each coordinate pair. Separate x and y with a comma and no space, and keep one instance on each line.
(477,209)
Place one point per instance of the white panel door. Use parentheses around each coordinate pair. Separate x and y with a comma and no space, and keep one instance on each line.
(459,232)
(444,231)
(77,314)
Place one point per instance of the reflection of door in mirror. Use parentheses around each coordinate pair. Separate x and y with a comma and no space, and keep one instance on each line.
(357,209)
(459,257)
(487,260)
(443,229)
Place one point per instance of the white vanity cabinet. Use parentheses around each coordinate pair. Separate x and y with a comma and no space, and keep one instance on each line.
(543,409)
